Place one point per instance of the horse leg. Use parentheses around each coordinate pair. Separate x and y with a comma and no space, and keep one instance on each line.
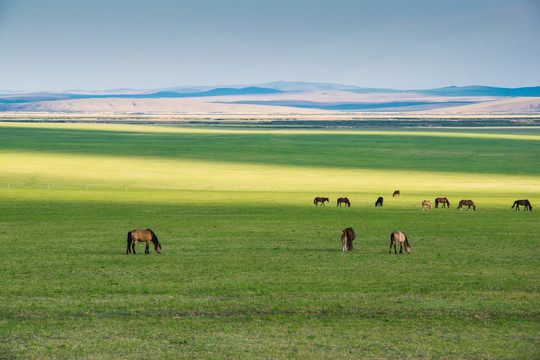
(401,248)
(133,247)
(147,249)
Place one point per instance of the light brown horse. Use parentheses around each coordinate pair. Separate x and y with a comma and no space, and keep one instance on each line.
(401,238)
(524,203)
(347,238)
(396,193)
(444,201)
(426,203)
(321,200)
(343,200)
(468,203)
(141,235)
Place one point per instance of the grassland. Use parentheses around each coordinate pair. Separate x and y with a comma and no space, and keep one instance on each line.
(250,268)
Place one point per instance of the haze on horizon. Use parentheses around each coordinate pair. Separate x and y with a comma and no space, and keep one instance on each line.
(58,45)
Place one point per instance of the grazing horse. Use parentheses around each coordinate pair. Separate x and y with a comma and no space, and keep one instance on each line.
(468,203)
(426,203)
(401,238)
(343,200)
(396,193)
(141,235)
(347,238)
(379,201)
(444,201)
(524,203)
(320,200)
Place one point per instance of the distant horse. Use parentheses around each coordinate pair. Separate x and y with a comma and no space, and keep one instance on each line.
(444,201)
(320,200)
(143,236)
(426,203)
(468,203)
(396,193)
(347,238)
(343,200)
(379,201)
(401,238)
(524,203)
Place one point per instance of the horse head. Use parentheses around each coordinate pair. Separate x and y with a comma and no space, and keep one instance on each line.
(344,238)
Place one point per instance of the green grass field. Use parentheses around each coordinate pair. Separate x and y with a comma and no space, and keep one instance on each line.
(250,268)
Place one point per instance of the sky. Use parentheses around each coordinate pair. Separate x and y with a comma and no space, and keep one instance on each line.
(57,45)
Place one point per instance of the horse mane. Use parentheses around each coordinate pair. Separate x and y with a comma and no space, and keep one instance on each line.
(407,246)
(154,237)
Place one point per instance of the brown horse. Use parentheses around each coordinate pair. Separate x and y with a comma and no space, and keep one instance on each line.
(468,203)
(396,193)
(143,236)
(347,238)
(379,201)
(426,203)
(320,200)
(444,201)
(401,238)
(524,203)
(343,200)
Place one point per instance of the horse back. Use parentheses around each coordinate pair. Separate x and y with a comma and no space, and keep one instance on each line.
(143,235)
(398,236)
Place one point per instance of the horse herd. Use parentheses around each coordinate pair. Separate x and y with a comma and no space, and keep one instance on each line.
(426,204)
(396,237)
(400,237)
(148,236)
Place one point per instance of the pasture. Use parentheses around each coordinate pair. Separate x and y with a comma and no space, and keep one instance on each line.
(250,268)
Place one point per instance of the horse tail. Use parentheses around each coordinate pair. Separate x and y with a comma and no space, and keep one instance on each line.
(515,202)
(129,242)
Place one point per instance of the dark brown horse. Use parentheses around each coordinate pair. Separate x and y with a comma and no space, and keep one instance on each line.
(343,200)
(321,200)
(401,238)
(468,203)
(379,201)
(396,193)
(141,235)
(444,201)
(524,203)
(347,238)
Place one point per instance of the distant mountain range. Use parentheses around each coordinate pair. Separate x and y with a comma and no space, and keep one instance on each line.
(306,95)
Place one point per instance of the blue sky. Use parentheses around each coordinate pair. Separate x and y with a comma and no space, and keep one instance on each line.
(404,44)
